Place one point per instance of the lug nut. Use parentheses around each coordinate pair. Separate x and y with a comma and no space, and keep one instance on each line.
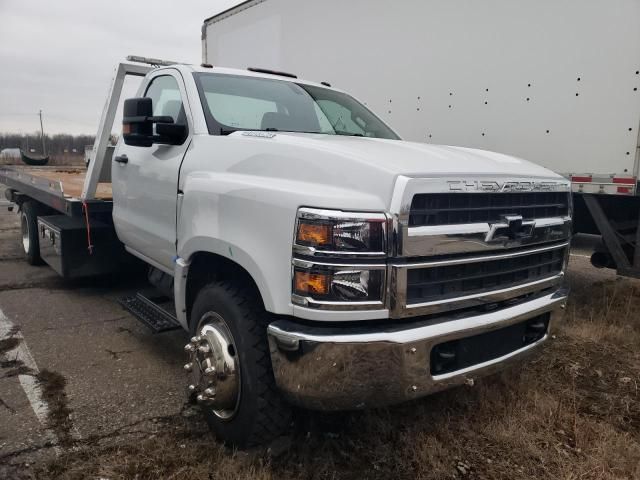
(200,398)
(194,340)
(210,392)
(210,370)
(188,367)
(203,349)
(188,347)
(191,388)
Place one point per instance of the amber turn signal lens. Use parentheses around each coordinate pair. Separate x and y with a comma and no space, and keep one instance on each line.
(311,283)
(126,128)
(314,234)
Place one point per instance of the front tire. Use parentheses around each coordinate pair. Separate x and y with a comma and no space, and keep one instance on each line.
(29,211)
(235,318)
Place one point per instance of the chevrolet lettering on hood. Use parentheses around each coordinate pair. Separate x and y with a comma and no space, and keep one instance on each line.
(500,186)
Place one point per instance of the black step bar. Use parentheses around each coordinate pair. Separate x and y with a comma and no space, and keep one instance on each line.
(149,312)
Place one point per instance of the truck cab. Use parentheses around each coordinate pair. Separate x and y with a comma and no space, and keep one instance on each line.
(315,258)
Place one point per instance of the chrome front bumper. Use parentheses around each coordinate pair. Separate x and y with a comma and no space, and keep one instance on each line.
(344,368)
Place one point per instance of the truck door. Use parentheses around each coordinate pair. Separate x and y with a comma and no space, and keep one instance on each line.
(145,179)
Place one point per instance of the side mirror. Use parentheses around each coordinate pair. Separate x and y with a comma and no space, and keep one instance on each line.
(137,129)
(138,121)
(171,133)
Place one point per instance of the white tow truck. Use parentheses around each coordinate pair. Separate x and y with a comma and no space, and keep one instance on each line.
(314,257)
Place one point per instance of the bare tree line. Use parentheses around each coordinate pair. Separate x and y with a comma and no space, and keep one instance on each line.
(58,144)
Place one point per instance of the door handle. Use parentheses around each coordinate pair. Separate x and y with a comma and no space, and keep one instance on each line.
(122,159)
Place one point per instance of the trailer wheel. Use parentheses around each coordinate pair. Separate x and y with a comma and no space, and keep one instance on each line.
(29,228)
(230,366)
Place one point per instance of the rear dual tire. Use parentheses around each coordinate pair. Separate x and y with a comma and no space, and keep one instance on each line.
(29,212)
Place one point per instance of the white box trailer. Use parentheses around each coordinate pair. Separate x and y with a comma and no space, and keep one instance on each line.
(554,82)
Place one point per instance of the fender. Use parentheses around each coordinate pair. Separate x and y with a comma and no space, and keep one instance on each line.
(223,249)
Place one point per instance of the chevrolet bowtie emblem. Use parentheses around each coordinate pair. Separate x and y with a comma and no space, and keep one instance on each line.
(512,227)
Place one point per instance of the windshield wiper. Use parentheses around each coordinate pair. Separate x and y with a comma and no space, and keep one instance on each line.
(348,134)
(288,131)
(224,131)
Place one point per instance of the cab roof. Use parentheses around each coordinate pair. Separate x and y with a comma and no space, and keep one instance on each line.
(256,73)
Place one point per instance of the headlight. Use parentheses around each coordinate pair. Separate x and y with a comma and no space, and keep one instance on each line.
(338,286)
(333,282)
(333,232)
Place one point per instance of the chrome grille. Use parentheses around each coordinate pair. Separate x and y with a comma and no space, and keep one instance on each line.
(469,243)
(461,279)
(431,209)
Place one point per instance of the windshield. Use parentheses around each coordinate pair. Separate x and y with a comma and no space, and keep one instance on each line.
(235,102)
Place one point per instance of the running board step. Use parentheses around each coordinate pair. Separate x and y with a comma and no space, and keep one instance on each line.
(149,312)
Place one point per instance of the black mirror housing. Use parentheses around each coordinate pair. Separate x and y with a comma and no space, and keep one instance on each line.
(171,133)
(138,121)
(137,129)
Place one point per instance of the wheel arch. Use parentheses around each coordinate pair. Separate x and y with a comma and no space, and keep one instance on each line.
(205,266)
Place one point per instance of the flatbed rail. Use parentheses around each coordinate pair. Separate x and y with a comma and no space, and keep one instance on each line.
(47,186)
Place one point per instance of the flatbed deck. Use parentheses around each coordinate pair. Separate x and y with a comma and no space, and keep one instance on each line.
(71,180)
(58,187)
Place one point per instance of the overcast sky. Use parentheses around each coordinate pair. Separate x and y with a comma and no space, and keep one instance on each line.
(59,56)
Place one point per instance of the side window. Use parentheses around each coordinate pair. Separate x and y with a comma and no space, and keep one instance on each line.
(165,95)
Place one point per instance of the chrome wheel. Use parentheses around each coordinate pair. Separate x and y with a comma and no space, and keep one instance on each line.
(24,225)
(213,367)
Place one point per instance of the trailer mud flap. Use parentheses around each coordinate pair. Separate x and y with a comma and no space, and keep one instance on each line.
(616,241)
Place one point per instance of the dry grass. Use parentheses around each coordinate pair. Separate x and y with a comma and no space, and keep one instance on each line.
(573,413)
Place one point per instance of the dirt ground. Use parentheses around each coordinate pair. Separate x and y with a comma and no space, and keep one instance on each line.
(66,159)
(109,399)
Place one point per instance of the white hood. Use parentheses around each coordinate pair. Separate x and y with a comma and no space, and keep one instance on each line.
(355,165)
(415,159)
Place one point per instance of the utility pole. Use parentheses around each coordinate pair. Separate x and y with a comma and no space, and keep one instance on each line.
(44,153)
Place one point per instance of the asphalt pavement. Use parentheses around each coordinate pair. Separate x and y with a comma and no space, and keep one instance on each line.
(73,363)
